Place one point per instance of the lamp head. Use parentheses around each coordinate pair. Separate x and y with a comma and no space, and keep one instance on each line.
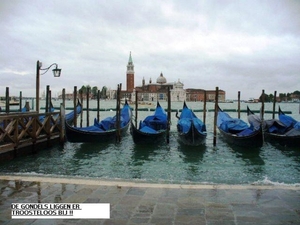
(56,72)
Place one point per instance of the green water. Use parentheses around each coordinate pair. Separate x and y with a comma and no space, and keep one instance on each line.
(168,163)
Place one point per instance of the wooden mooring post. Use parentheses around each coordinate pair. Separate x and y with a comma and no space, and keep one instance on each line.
(118,114)
(239,104)
(169,116)
(216,116)
(64,97)
(262,105)
(136,107)
(88,90)
(81,101)
(98,105)
(262,113)
(7,100)
(20,102)
(47,98)
(62,137)
(74,103)
(204,108)
(274,105)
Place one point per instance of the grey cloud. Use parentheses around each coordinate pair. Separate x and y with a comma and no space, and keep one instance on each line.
(249,45)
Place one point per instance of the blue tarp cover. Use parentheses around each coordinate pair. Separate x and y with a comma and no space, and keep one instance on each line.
(70,115)
(125,115)
(155,122)
(245,132)
(109,122)
(287,120)
(149,130)
(297,126)
(275,126)
(290,122)
(24,109)
(231,125)
(286,125)
(186,118)
(92,128)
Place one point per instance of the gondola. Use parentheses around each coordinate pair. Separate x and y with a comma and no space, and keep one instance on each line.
(102,131)
(237,132)
(191,130)
(292,136)
(69,117)
(152,129)
(284,131)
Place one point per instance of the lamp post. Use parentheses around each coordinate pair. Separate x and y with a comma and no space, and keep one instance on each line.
(56,73)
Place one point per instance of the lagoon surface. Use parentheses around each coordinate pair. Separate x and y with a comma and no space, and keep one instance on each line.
(168,163)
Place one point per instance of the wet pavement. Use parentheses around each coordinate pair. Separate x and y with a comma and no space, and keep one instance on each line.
(144,203)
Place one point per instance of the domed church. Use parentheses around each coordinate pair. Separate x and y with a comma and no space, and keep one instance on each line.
(156,91)
(161,79)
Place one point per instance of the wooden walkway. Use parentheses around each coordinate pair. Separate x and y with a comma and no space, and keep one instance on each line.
(21,133)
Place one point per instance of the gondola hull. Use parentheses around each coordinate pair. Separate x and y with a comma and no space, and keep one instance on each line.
(140,137)
(103,131)
(289,141)
(239,134)
(152,130)
(76,135)
(191,130)
(252,141)
(284,139)
(193,137)
(282,135)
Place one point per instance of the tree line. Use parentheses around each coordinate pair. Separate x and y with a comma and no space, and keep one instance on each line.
(93,92)
(268,97)
(281,96)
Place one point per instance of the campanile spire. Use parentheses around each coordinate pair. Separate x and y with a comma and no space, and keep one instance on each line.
(130,74)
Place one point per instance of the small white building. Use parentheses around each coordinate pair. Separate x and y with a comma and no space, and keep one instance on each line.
(178,94)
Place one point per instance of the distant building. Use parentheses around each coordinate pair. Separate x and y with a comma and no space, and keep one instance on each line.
(158,91)
(130,75)
(193,94)
(178,94)
(295,97)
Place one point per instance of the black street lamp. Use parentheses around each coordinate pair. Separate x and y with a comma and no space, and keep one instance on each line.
(56,73)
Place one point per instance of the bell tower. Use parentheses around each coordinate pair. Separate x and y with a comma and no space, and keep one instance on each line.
(130,75)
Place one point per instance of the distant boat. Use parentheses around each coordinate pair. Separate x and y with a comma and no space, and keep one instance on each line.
(142,104)
(152,129)
(237,132)
(11,103)
(191,130)
(102,131)
(69,117)
(252,100)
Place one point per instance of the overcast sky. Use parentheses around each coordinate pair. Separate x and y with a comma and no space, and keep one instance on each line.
(242,46)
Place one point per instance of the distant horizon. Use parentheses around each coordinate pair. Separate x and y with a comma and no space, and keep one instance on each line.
(29,97)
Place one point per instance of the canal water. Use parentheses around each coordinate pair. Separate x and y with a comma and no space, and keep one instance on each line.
(168,163)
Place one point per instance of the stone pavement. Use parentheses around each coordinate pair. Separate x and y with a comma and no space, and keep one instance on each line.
(144,203)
